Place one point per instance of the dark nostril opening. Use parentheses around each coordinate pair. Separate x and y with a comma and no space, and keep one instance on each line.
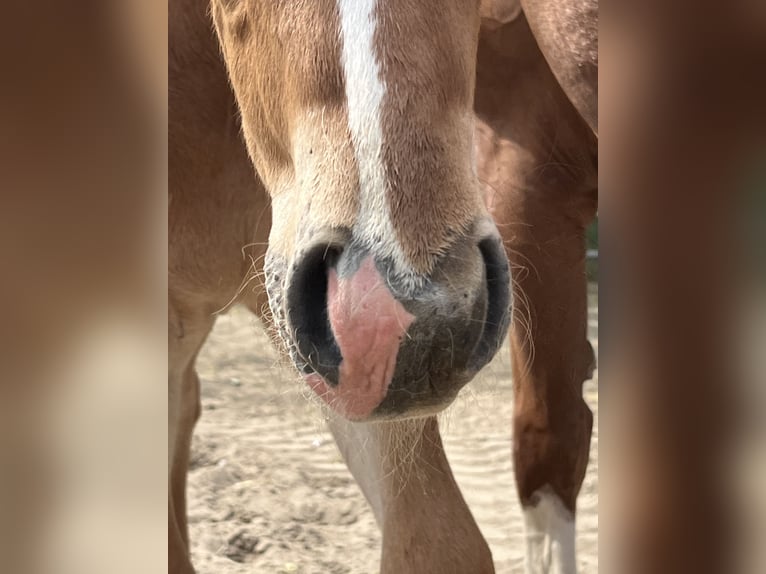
(498,302)
(307,312)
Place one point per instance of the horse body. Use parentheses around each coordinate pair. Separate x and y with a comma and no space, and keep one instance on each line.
(381,252)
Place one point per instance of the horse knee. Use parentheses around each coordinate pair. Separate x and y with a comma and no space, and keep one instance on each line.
(551,449)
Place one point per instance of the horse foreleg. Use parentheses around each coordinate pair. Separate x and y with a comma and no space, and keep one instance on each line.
(403,471)
(551,359)
(536,156)
(185,337)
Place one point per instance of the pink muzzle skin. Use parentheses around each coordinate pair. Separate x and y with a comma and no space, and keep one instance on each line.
(368,324)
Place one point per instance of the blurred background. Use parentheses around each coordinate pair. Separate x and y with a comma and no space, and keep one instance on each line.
(83,196)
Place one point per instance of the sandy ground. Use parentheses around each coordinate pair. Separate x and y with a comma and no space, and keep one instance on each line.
(269,492)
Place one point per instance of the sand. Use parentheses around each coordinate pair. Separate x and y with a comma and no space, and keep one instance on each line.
(269,492)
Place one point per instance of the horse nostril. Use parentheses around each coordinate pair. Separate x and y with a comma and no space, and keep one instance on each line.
(307,312)
(497,320)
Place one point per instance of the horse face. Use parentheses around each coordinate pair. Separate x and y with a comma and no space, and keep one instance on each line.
(386,277)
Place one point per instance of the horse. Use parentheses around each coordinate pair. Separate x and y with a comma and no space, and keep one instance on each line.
(396,172)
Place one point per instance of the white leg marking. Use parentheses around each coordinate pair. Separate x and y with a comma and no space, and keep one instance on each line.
(550,530)
(359,443)
(365,91)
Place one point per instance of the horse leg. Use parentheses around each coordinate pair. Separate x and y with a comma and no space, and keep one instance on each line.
(543,229)
(551,358)
(186,333)
(403,471)
(536,156)
(544,233)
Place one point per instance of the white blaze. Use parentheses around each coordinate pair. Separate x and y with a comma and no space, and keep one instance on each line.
(550,531)
(365,91)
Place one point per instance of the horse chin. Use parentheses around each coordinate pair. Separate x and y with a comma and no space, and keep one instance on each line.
(361,403)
